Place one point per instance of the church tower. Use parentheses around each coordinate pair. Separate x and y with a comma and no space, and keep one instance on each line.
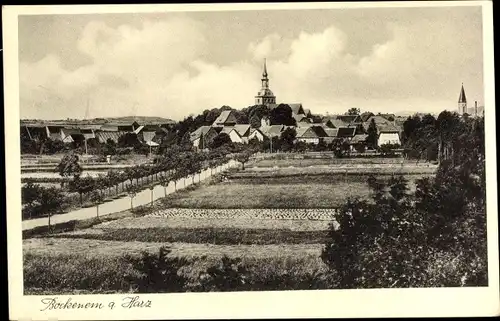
(462,102)
(265,96)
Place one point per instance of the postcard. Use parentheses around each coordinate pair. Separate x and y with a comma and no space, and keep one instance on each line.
(278,160)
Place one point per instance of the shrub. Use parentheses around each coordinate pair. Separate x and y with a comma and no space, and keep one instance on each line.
(158,273)
(227,275)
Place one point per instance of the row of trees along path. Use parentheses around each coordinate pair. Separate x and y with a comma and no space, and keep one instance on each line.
(124,203)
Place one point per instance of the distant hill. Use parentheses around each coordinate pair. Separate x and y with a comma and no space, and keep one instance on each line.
(151,120)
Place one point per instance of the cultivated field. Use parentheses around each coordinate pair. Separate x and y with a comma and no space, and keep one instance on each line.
(274,219)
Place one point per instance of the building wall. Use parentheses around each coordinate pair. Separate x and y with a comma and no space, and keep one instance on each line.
(257,134)
(235,138)
(388,138)
(309,140)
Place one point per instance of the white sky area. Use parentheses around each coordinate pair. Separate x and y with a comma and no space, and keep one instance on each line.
(175,64)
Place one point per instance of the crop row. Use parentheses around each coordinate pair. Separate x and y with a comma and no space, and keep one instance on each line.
(327,214)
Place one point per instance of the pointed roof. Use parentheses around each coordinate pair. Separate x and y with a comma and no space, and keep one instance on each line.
(462,98)
(264,73)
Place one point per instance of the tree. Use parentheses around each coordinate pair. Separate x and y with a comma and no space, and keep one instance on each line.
(255,121)
(51,200)
(82,185)
(372,138)
(288,139)
(128,140)
(186,143)
(113,177)
(243,158)
(165,181)
(132,191)
(68,166)
(353,111)
(30,196)
(97,198)
(221,139)
(282,115)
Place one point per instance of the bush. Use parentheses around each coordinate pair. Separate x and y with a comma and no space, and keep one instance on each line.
(227,275)
(158,273)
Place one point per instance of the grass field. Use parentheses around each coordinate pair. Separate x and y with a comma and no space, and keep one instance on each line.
(279,254)
(276,195)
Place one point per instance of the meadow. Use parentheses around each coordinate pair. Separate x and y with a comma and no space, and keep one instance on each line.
(275,253)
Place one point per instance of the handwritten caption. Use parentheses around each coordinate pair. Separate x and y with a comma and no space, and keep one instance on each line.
(129,302)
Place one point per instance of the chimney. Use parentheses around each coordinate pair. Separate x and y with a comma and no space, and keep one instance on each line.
(475,108)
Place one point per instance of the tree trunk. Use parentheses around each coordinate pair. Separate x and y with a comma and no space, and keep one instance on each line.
(97,207)
(151,197)
(165,190)
(49,223)
(131,203)
(81,199)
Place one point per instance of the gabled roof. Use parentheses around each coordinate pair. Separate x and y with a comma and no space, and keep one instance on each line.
(307,112)
(331,132)
(389,116)
(306,132)
(320,131)
(346,131)
(349,119)
(297,108)
(224,117)
(359,138)
(138,129)
(273,130)
(336,122)
(104,136)
(148,136)
(242,129)
(364,116)
(71,131)
(200,131)
(298,117)
(226,129)
(54,129)
(109,128)
(388,128)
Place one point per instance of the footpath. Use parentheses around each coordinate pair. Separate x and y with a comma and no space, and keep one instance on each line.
(123,203)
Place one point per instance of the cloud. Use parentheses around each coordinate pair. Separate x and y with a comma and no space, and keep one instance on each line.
(164,68)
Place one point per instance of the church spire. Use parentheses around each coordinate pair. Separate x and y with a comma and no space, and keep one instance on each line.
(462,98)
(462,101)
(264,73)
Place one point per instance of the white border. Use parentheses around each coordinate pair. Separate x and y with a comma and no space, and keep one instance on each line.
(283,304)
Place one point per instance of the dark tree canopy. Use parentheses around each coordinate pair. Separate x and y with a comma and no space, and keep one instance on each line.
(282,115)
(220,140)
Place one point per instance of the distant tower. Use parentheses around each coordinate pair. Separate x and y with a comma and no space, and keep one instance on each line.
(462,102)
(265,96)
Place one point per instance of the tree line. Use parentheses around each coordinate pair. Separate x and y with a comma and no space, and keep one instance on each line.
(39,201)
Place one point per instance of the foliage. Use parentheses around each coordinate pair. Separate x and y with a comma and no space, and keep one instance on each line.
(282,115)
(288,139)
(226,275)
(399,240)
(68,166)
(220,140)
(372,132)
(353,111)
(158,273)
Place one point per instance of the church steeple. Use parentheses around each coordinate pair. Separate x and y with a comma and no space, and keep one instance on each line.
(264,73)
(462,102)
(265,96)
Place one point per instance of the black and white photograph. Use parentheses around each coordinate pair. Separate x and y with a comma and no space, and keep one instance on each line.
(176,151)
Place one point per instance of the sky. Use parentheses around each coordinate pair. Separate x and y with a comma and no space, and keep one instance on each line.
(180,63)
